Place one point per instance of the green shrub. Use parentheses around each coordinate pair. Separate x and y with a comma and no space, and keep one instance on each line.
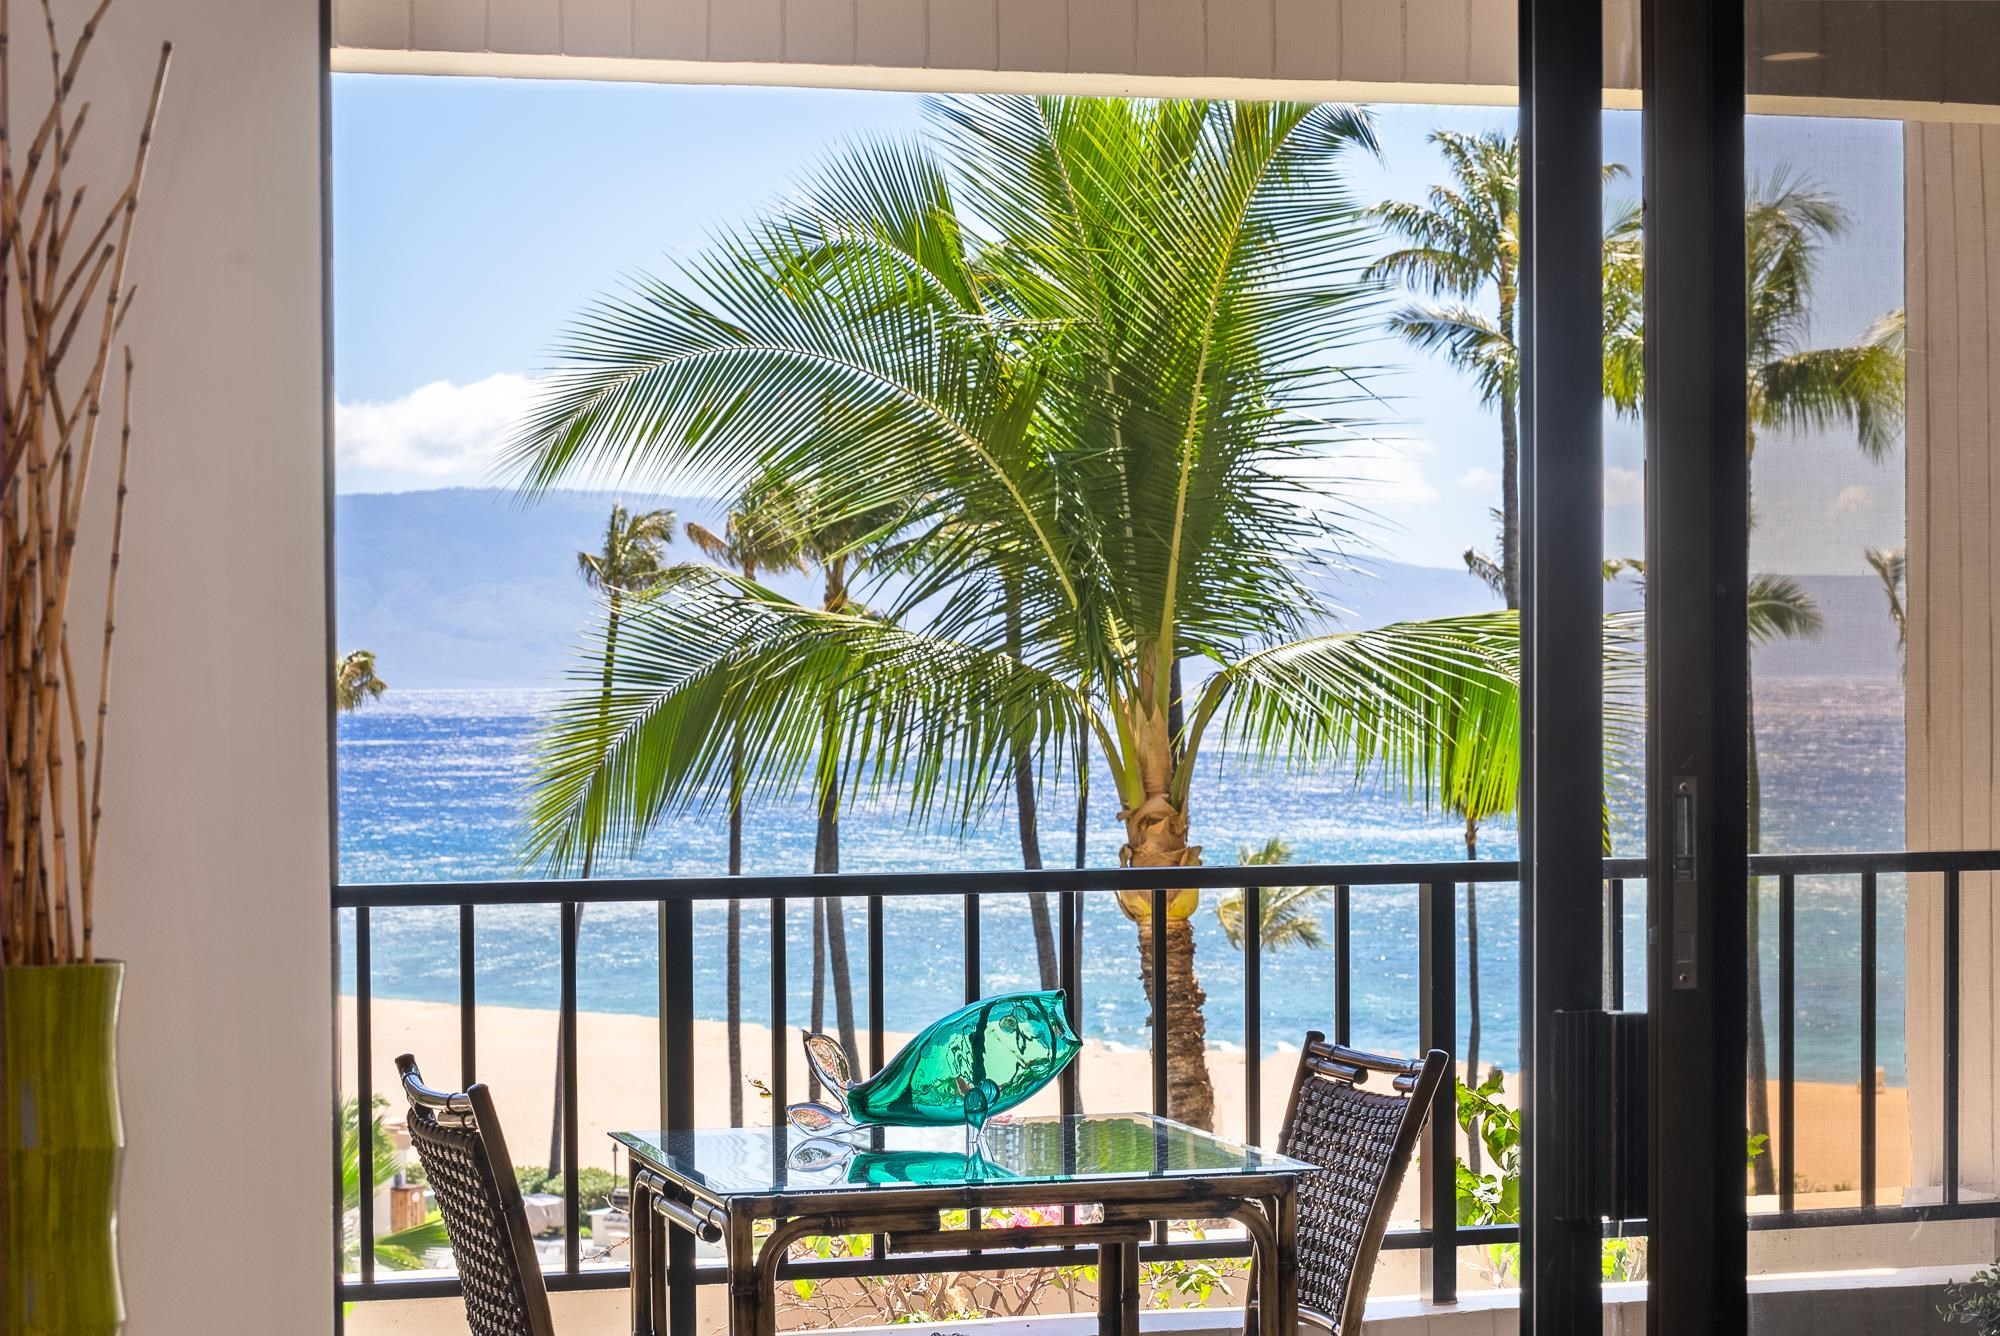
(1976,1303)
(593,1185)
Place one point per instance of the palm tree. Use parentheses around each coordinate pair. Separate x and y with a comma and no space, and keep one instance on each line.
(628,563)
(749,544)
(404,1249)
(1104,330)
(1889,565)
(354,680)
(1790,385)
(1465,241)
(1287,915)
(841,544)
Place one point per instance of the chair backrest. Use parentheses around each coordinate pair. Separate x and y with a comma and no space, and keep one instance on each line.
(1358,1116)
(457,1139)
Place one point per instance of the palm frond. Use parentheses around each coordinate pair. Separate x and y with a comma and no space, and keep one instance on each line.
(1434,706)
(715,668)
(354,680)
(1288,916)
(1860,386)
(1780,609)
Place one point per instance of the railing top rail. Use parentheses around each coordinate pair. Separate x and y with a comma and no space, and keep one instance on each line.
(613,890)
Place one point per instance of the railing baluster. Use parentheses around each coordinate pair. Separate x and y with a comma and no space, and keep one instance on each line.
(974,984)
(1343,974)
(468,999)
(1951,991)
(1614,944)
(364,1088)
(879,1246)
(1069,969)
(677,1023)
(1437,980)
(780,986)
(875,998)
(1253,1007)
(1157,955)
(1787,1149)
(572,1199)
(1868,1001)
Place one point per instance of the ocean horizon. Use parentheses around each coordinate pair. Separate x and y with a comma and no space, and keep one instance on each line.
(433,784)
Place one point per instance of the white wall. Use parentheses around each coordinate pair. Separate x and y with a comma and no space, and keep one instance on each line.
(215,871)
(1952,262)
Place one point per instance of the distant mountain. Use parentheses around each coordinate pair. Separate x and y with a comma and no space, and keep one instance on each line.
(468,587)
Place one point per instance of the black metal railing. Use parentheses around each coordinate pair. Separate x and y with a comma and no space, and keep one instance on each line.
(1437,884)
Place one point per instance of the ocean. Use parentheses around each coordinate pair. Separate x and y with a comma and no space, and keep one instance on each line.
(432,785)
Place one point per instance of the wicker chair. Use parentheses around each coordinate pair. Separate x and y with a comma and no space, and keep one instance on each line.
(458,1141)
(1362,1136)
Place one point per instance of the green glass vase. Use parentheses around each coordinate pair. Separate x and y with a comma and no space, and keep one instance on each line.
(981,1060)
(65,1141)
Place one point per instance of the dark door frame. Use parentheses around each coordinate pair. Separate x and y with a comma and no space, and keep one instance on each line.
(1697,552)
(1562,413)
(1697,560)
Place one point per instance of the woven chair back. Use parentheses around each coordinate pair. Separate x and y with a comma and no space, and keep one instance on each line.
(457,1139)
(1358,1116)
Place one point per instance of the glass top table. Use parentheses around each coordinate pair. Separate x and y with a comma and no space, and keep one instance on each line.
(727,1163)
(1125,1174)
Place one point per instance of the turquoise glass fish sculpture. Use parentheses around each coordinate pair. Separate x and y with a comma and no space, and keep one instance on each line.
(981,1060)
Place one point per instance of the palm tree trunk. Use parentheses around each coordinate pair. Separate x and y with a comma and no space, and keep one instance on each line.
(830,943)
(817,1021)
(589,858)
(1756,1065)
(1031,836)
(843,978)
(1472,982)
(1031,859)
(1156,836)
(1190,1093)
(733,965)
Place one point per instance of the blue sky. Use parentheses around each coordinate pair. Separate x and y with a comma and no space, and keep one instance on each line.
(474,217)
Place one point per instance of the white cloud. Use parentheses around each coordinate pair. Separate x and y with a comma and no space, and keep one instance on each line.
(1624,487)
(1479,480)
(1373,473)
(1850,500)
(437,435)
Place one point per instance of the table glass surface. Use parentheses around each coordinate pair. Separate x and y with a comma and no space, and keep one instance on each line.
(1085,1148)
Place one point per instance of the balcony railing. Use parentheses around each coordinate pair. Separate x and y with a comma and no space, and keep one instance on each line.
(1436,883)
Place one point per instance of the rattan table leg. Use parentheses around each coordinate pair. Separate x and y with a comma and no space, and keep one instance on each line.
(1110,1289)
(747,1298)
(656,1251)
(1128,1289)
(1285,1222)
(640,1211)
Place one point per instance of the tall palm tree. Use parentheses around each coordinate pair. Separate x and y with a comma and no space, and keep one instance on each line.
(1108,330)
(629,563)
(1464,244)
(840,544)
(1465,241)
(1791,385)
(750,544)
(354,680)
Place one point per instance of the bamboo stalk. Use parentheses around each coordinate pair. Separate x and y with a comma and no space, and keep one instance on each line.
(104,671)
(57,265)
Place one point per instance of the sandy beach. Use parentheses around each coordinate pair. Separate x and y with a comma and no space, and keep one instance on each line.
(618,1084)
